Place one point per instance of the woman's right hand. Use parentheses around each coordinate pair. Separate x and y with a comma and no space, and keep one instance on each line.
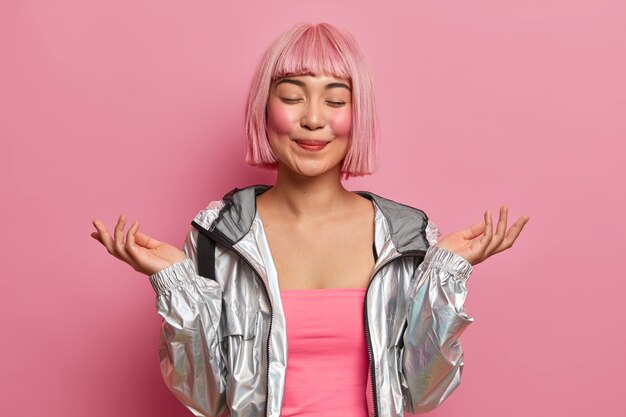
(145,254)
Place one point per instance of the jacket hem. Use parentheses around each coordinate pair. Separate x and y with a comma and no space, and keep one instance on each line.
(173,276)
(449,261)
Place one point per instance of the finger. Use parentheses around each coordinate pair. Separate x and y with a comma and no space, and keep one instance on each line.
(146,241)
(118,234)
(502,221)
(500,231)
(487,236)
(118,244)
(105,237)
(131,247)
(513,233)
(474,230)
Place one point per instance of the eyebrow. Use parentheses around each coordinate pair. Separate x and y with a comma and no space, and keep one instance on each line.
(301,84)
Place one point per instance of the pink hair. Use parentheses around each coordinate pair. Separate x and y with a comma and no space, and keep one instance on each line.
(315,49)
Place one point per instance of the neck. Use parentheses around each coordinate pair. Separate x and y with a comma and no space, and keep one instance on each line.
(302,196)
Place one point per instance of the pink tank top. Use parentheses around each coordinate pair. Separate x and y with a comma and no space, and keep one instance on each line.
(327,362)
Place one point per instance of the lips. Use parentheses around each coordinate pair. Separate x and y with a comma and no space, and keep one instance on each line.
(312,145)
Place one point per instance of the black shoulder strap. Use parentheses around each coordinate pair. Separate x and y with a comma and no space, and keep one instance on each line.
(206,256)
(374,252)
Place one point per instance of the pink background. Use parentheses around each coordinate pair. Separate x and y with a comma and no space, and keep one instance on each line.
(137,107)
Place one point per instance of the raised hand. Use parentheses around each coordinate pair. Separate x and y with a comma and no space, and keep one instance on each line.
(477,242)
(142,252)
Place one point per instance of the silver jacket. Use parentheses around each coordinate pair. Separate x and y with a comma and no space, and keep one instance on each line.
(223,344)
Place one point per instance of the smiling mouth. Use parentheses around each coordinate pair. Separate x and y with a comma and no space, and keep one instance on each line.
(312,145)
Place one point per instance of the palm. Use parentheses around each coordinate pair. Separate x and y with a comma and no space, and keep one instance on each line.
(142,252)
(476,243)
(159,256)
(462,246)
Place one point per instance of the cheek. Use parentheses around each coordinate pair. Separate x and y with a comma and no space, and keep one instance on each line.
(341,123)
(279,119)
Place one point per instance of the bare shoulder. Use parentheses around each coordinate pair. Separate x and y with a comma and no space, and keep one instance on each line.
(361,207)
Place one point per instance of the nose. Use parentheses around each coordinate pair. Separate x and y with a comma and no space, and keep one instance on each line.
(313,117)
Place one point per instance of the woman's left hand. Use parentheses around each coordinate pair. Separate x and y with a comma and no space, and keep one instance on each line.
(477,242)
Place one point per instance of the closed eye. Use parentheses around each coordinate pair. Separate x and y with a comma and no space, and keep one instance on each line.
(336,103)
(290,100)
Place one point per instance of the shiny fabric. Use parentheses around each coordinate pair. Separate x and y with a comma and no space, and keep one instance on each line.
(223,343)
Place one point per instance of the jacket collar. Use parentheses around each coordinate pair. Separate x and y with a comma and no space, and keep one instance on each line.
(407,225)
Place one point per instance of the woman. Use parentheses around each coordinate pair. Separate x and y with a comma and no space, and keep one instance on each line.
(264,309)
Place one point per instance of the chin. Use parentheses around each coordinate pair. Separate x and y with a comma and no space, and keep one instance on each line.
(313,170)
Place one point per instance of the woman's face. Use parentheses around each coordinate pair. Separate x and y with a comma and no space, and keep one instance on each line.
(308,121)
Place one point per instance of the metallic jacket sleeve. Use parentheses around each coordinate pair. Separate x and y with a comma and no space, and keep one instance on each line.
(189,351)
(432,358)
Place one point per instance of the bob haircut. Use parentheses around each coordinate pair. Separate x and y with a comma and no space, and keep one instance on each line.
(308,49)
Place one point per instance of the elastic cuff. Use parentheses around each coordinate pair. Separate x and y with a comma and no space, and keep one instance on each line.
(173,276)
(449,261)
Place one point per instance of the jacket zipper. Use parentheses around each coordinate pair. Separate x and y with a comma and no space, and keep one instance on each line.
(220,238)
(367,333)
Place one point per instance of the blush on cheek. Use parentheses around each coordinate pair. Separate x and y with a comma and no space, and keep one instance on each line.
(341,123)
(278,119)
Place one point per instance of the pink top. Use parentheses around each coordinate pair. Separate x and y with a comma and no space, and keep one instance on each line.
(327,362)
